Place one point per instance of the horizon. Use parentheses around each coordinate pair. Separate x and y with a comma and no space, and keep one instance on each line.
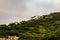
(18,10)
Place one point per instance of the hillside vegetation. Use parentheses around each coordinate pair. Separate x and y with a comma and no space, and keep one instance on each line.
(46,27)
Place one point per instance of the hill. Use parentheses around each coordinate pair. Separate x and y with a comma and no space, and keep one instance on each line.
(46,27)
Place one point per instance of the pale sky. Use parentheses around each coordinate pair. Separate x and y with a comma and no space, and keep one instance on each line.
(16,10)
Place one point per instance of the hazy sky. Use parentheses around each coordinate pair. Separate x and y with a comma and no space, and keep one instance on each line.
(15,10)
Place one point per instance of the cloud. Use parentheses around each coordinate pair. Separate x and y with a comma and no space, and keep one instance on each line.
(14,10)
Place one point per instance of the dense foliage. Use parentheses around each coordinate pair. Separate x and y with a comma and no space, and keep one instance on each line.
(46,27)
